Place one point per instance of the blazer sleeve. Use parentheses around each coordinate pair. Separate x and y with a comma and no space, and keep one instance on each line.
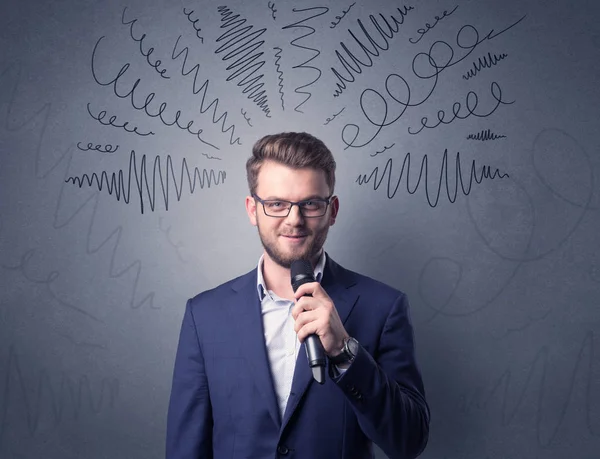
(386,391)
(189,418)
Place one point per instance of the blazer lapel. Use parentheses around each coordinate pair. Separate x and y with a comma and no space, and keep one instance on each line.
(335,282)
(247,319)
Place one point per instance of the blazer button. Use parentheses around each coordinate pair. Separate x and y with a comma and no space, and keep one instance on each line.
(282,449)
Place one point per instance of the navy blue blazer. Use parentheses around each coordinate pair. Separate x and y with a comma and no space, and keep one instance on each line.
(223,403)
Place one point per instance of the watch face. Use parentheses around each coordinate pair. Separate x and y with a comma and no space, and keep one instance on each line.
(352,346)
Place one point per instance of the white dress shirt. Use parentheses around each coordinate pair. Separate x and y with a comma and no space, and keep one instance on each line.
(280,338)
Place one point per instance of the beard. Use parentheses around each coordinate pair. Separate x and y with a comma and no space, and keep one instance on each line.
(315,241)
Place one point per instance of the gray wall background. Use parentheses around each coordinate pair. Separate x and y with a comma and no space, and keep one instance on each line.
(503,275)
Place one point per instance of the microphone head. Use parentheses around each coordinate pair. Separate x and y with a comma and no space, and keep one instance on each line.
(301,272)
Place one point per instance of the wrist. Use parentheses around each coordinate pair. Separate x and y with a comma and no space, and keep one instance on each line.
(347,353)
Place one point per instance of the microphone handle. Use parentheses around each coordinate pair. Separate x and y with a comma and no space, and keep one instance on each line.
(316,356)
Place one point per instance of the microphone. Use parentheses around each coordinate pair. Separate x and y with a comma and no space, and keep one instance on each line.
(302,273)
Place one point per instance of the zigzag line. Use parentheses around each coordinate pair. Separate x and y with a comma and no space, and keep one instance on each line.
(293,43)
(67,157)
(487,62)
(280,74)
(243,42)
(76,392)
(121,187)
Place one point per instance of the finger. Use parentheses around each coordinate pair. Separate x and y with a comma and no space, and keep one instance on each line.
(311,328)
(306,289)
(305,318)
(305,303)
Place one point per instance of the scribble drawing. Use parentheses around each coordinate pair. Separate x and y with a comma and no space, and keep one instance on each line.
(204,89)
(315,52)
(378,179)
(49,401)
(352,64)
(484,135)
(240,42)
(536,386)
(120,186)
(279,74)
(484,62)
(39,120)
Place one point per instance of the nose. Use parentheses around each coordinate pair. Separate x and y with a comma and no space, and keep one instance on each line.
(295,217)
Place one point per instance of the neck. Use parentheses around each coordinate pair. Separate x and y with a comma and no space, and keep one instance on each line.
(278,279)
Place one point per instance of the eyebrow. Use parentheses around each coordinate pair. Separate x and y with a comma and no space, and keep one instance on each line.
(275,198)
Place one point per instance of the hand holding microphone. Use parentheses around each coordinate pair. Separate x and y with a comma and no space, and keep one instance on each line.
(316,319)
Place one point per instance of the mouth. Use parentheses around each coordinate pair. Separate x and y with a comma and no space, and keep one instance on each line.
(294,237)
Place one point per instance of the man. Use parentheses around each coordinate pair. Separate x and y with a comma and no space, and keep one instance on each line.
(242,386)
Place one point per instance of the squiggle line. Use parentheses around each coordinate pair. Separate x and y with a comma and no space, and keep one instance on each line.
(42,117)
(324,10)
(423,173)
(280,73)
(356,68)
(78,394)
(244,43)
(116,184)
(204,90)
(487,62)
(485,135)
(503,387)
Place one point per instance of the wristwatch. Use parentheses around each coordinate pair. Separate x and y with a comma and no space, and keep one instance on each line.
(348,353)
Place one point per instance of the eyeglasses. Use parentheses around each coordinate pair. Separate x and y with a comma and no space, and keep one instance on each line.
(309,208)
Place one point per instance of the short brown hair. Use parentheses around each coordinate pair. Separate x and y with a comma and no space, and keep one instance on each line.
(293,149)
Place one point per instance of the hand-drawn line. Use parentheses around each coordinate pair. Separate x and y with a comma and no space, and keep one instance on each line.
(485,62)
(503,386)
(140,40)
(44,114)
(133,269)
(197,29)
(22,268)
(131,96)
(244,113)
(576,221)
(339,18)
(525,256)
(108,148)
(175,245)
(422,32)
(485,135)
(271,6)
(471,102)
(244,43)
(485,172)
(121,187)
(530,321)
(204,89)
(384,148)
(300,25)
(355,65)
(279,74)
(111,122)
(329,120)
(380,120)
(71,397)
(585,155)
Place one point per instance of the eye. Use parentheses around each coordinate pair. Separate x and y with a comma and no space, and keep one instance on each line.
(274,204)
(311,205)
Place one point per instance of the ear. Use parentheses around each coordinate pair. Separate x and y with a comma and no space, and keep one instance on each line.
(251,209)
(335,207)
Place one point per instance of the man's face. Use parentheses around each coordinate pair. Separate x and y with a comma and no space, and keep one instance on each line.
(293,237)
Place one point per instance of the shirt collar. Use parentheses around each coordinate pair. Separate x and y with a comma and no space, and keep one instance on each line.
(261,286)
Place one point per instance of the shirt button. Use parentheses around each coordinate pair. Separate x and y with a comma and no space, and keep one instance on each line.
(290,351)
(282,449)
